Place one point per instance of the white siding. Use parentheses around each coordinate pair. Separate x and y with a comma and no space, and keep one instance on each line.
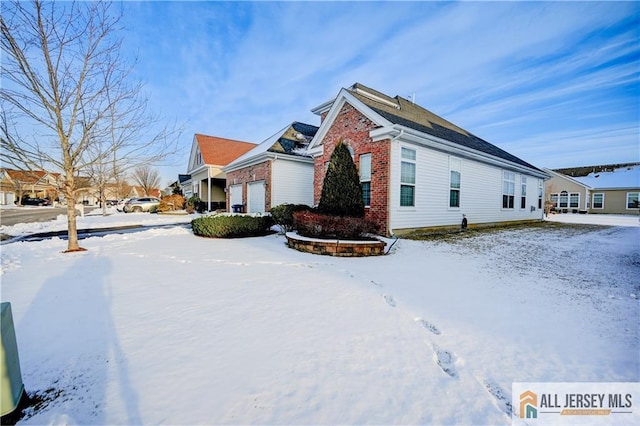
(291,182)
(480,192)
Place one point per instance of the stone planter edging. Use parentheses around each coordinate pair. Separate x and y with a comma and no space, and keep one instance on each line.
(341,248)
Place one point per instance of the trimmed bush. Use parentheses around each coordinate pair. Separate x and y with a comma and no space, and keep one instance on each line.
(283,214)
(171,202)
(341,190)
(317,225)
(231,226)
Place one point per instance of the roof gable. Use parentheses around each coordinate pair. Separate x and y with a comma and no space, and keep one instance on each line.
(292,139)
(402,113)
(216,151)
(413,116)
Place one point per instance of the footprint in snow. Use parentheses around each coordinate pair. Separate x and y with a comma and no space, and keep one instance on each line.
(444,359)
(376,284)
(426,324)
(502,401)
(390,300)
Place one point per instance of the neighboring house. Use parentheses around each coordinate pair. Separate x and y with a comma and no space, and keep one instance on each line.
(418,170)
(608,189)
(15,184)
(209,154)
(566,194)
(276,171)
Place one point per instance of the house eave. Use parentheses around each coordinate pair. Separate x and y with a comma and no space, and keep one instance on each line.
(266,156)
(409,135)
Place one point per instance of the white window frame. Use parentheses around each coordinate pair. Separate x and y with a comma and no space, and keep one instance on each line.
(540,193)
(365,159)
(637,194)
(407,159)
(572,195)
(523,192)
(455,166)
(593,201)
(508,190)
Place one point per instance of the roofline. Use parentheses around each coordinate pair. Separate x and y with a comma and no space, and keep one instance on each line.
(414,136)
(568,178)
(343,97)
(265,156)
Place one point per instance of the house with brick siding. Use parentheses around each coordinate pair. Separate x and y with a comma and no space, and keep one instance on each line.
(276,171)
(419,170)
(205,177)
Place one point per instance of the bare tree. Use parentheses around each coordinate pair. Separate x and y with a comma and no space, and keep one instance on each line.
(147,178)
(65,81)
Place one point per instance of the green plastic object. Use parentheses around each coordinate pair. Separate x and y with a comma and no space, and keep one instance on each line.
(11,387)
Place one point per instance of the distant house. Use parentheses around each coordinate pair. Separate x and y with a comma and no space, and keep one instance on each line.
(419,170)
(567,193)
(15,184)
(605,190)
(206,179)
(276,171)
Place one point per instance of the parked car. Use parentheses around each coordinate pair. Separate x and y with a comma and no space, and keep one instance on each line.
(28,201)
(143,204)
(120,204)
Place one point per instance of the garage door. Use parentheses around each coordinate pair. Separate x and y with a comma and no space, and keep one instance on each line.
(235,196)
(256,196)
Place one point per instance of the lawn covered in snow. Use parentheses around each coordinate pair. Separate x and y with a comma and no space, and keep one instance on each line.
(162,327)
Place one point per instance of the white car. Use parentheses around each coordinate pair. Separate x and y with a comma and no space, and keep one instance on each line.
(120,204)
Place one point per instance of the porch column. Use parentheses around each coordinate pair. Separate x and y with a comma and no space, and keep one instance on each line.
(209,188)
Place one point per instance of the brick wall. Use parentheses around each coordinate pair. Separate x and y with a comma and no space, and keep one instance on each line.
(353,127)
(260,171)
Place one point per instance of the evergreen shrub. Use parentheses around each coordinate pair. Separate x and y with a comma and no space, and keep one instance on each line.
(318,225)
(283,214)
(231,226)
(341,190)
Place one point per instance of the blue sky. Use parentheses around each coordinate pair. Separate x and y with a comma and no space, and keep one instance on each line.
(555,83)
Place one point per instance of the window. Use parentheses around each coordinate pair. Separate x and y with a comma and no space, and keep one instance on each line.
(564,200)
(574,200)
(633,200)
(554,199)
(454,182)
(198,158)
(523,192)
(598,201)
(508,189)
(540,191)
(408,177)
(365,178)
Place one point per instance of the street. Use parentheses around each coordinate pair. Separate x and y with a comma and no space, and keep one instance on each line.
(29,214)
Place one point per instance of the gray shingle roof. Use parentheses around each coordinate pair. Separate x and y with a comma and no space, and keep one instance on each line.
(405,113)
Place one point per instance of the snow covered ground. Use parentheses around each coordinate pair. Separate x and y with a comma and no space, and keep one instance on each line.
(161,327)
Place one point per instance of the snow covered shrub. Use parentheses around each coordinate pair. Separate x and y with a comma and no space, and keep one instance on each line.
(223,226)
(171,202)
(318,225)
(283,214)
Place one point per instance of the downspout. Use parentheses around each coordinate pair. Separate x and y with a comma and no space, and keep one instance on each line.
(393,139)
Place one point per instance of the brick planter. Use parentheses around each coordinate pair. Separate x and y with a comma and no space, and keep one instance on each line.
(342,248)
